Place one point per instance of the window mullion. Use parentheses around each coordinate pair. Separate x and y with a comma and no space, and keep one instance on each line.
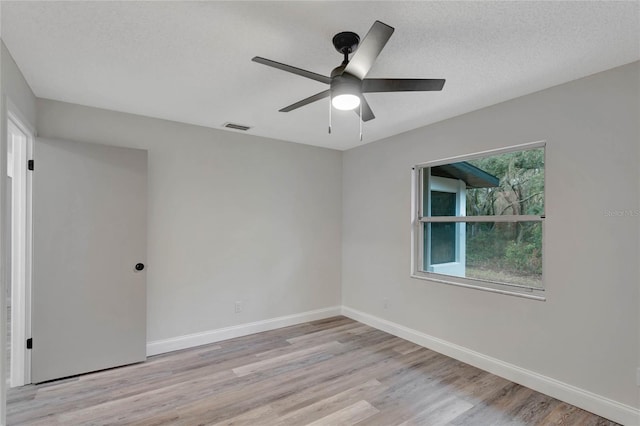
(503,218)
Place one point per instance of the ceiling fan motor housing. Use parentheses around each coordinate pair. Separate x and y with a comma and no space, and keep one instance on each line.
(345,83)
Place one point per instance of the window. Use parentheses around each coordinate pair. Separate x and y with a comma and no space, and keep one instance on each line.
(478,220)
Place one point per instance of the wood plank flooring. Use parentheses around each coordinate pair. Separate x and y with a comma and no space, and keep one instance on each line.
(329,372)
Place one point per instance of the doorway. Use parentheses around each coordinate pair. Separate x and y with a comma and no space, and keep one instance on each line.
(19,149)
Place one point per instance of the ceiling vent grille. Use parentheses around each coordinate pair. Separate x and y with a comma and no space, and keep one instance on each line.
(235,126)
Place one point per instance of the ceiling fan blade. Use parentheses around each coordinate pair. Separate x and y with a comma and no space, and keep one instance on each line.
(307,101)
(369,49)
(293,70)
(370,85)
(367,113)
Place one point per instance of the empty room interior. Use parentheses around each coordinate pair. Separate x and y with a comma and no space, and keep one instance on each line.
(327,212)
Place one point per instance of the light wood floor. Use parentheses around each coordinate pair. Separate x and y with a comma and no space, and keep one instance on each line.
(330,372)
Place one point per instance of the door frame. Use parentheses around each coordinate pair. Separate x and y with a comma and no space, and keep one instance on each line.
(21,250)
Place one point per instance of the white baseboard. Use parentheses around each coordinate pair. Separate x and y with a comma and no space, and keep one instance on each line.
(196,339)
(584,399)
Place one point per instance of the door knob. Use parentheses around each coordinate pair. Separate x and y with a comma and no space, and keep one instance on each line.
(139,266)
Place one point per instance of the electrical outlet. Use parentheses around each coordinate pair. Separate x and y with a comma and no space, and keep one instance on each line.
(238,307)
(385,303)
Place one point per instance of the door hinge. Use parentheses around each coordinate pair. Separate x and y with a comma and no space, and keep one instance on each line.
(29,343)
(30,164)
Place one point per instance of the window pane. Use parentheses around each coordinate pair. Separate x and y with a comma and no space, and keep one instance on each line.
(443,243)
(520,190)
(443,235)
(443,203)
(502,184)
(505,252)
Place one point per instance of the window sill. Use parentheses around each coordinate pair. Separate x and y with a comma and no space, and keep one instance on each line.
(526,293)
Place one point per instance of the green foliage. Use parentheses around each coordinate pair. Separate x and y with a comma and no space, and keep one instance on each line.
(524,257)
(516,247)
(521,187)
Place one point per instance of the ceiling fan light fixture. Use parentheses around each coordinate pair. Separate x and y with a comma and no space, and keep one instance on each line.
(345,91)
(345,101)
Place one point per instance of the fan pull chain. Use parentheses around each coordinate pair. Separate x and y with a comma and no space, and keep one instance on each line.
(329,115)
(360,121)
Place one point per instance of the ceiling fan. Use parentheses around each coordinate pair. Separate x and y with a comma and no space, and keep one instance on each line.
(347,81)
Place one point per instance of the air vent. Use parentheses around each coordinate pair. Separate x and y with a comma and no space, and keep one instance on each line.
(236,126)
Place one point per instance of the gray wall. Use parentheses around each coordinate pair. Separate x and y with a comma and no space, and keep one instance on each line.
(13,87)
(587,332)
(232,217)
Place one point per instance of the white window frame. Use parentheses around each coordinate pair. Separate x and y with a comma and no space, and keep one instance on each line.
(418,219)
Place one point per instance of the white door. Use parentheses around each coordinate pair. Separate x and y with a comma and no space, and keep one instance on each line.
(89,232)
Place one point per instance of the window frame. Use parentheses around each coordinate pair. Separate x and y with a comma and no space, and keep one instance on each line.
(418,219)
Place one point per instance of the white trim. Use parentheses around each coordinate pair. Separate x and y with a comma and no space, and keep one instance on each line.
(21,249)
(467,157)
(500,218)
(519,291)
(417,243)
(205,337)
(29,261)
(14,113)
(17,138)
(582,398)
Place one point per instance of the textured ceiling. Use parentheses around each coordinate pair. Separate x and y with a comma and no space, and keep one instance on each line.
(191,61)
